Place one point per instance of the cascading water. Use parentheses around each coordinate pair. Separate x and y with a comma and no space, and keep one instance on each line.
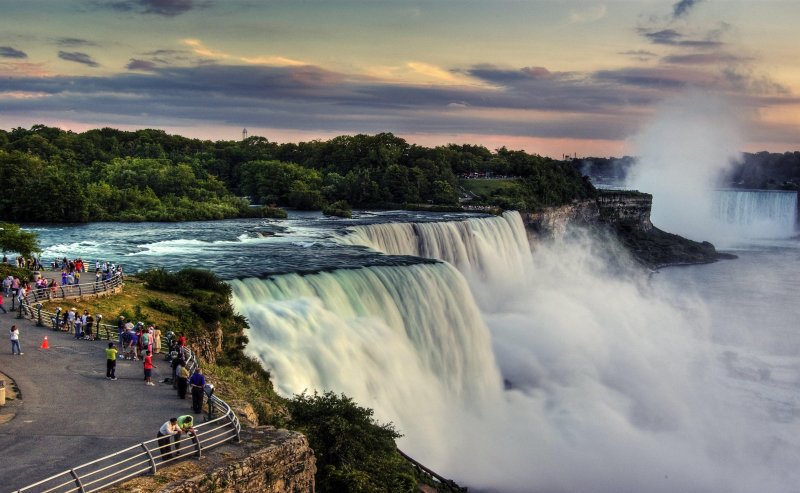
(615,384)
(758,213)
(387,336)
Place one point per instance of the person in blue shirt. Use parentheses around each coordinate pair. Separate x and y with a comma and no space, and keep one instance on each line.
(197,382)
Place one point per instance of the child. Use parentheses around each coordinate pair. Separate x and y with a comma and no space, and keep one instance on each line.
(148,368)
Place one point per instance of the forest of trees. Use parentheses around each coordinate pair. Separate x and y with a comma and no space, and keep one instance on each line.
(761,170)
(148,175)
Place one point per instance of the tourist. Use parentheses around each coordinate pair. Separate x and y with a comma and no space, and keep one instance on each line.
(111,362)
(139,340)
(15,285)
(157,339)
(133,339)
(121,331)
(147,340)
(89,324)
(14,336)
(167,430)
(7,285)
(148,368)
(181,376)
(2,299)
(186,424)
(71,319)
(78,325)
(21,296)
(197,382)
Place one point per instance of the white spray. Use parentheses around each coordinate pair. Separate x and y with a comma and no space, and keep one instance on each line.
(615,386)
(681,155)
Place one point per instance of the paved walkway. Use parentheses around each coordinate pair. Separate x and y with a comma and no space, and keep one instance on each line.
(69,413)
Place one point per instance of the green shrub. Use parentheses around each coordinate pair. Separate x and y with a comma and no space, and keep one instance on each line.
(340,208)
(354,453)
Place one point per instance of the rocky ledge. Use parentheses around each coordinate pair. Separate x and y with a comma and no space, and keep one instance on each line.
(626,214)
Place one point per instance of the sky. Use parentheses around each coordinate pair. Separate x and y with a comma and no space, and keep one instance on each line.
(552,77)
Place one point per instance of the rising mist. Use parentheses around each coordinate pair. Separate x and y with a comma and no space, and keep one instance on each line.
(682,155)
(558,375)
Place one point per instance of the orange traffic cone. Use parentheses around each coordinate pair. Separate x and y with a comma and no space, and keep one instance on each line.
(45,344)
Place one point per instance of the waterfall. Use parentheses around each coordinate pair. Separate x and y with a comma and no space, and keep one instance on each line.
(758,213)
(515,372)
(385,336)
(492,250)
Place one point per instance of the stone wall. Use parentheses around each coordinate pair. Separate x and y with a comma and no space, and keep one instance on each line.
(266,461)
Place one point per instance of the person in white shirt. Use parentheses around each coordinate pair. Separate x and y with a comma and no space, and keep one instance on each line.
(167,430)
(14,331)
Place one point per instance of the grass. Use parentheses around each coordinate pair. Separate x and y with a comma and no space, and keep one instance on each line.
(138,303)
(485,187)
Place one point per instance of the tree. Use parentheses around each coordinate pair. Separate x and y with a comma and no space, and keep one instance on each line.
(14,239)
(354,453)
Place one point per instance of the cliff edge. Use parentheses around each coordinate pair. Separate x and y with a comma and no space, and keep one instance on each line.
(626,215)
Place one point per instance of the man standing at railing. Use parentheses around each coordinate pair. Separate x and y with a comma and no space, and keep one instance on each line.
(167,430)
(198,381)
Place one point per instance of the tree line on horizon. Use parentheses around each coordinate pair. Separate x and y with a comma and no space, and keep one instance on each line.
(148,175)
(761,170)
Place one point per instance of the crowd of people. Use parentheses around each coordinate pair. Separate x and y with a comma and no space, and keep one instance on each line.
(135,341)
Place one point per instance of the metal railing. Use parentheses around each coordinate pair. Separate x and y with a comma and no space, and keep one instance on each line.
(31,307)
(73,290)
(145,457)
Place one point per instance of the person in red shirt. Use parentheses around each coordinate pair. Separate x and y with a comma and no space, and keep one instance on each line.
(148,369)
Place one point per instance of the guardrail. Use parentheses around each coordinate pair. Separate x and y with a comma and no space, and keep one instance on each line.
(221,427)
(74,290)
(31,306)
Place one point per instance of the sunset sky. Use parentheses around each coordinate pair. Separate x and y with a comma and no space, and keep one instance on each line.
(547,76)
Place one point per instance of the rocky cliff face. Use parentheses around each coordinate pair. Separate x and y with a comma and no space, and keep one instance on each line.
(267,461)
(630,208)
(626,214)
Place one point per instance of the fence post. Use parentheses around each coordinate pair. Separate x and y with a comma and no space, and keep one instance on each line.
(39,310)
(153,466)
(77,481)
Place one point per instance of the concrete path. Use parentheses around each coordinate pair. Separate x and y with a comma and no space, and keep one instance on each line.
(69,413)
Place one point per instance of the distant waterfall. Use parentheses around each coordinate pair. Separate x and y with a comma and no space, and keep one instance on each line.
(758,213)
(386,336)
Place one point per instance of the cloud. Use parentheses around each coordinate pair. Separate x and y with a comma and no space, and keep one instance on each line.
(529,101)
(640,55)
(9,52)
(136,64)
(73,42)
(78,57)
(746,81)
(589,14)
(682,8)
(672,37)
(166,8)
(702,59)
